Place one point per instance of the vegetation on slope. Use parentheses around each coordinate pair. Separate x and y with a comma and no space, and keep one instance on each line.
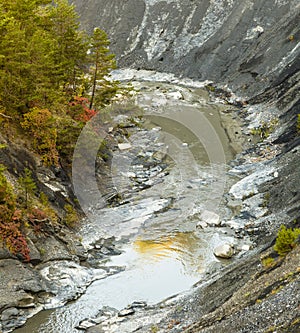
(53,79)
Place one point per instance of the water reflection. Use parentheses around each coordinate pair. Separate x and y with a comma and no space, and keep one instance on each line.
(187,248)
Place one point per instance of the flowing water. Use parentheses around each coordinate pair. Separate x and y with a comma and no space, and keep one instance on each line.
(163,251)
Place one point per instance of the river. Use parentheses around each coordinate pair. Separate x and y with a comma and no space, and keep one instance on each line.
(163,252)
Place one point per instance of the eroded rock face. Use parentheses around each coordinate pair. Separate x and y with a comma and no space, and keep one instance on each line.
(243,42)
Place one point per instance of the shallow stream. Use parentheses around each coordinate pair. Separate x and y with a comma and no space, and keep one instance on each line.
(163,251)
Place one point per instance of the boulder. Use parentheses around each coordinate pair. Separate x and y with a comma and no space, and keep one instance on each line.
(225,251)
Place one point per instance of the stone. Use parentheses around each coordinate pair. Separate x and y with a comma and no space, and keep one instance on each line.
(126,312)
(210,218)
(35,256)
(225,251)
(245,247)
(202,224)
(85,324)
(9,314)
(124,146)
(26,302)
(233,225)
(138,304)
(175,95)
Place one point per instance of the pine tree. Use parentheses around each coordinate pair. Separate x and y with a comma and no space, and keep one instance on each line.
(71,53)
(103,89)
(27,185)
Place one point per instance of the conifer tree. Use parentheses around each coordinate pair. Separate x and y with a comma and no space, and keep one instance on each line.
(102,62)
(71,53)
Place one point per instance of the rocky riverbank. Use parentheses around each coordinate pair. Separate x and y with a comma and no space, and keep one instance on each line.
(69,263)
(60,267)
(249,295)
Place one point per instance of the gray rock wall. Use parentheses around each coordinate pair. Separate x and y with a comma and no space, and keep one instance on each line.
(243,42)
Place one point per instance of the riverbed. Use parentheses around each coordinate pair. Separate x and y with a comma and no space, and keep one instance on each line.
(162,248)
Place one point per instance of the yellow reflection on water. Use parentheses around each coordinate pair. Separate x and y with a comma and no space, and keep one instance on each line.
(184,247)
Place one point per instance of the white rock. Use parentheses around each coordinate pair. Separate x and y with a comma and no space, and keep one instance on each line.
(275,174)
(202,224)
(210,218)
(233,225)
(224,251)
(85,324)
(110,129)
(126,312)
(124,146)
(245,247)
(175,95)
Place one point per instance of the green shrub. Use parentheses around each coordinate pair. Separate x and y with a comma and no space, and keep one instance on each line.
(265,129)
(286,240)
(71,217)
(268,262)
(298,124)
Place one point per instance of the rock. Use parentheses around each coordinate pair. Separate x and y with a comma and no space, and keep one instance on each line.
(235,205)
(138,304)
(110,129)
(9,313)
(254,32)
(234,225)
(52,249)
(15,279)
(26,302)
(175,95)
(126,312)
(245,247)
(225,251)
(202,224)
(35,256)
(210,218)
(85,324)
(124,146)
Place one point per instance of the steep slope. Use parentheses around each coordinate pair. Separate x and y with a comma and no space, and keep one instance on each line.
(246,43)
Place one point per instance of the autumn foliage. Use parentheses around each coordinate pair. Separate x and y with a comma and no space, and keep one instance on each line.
(10,220)
(79,109)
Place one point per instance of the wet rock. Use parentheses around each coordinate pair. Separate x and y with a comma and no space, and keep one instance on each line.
(65,279)
(225,251)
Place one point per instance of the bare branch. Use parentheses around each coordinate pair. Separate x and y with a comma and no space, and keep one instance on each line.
(5,116)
